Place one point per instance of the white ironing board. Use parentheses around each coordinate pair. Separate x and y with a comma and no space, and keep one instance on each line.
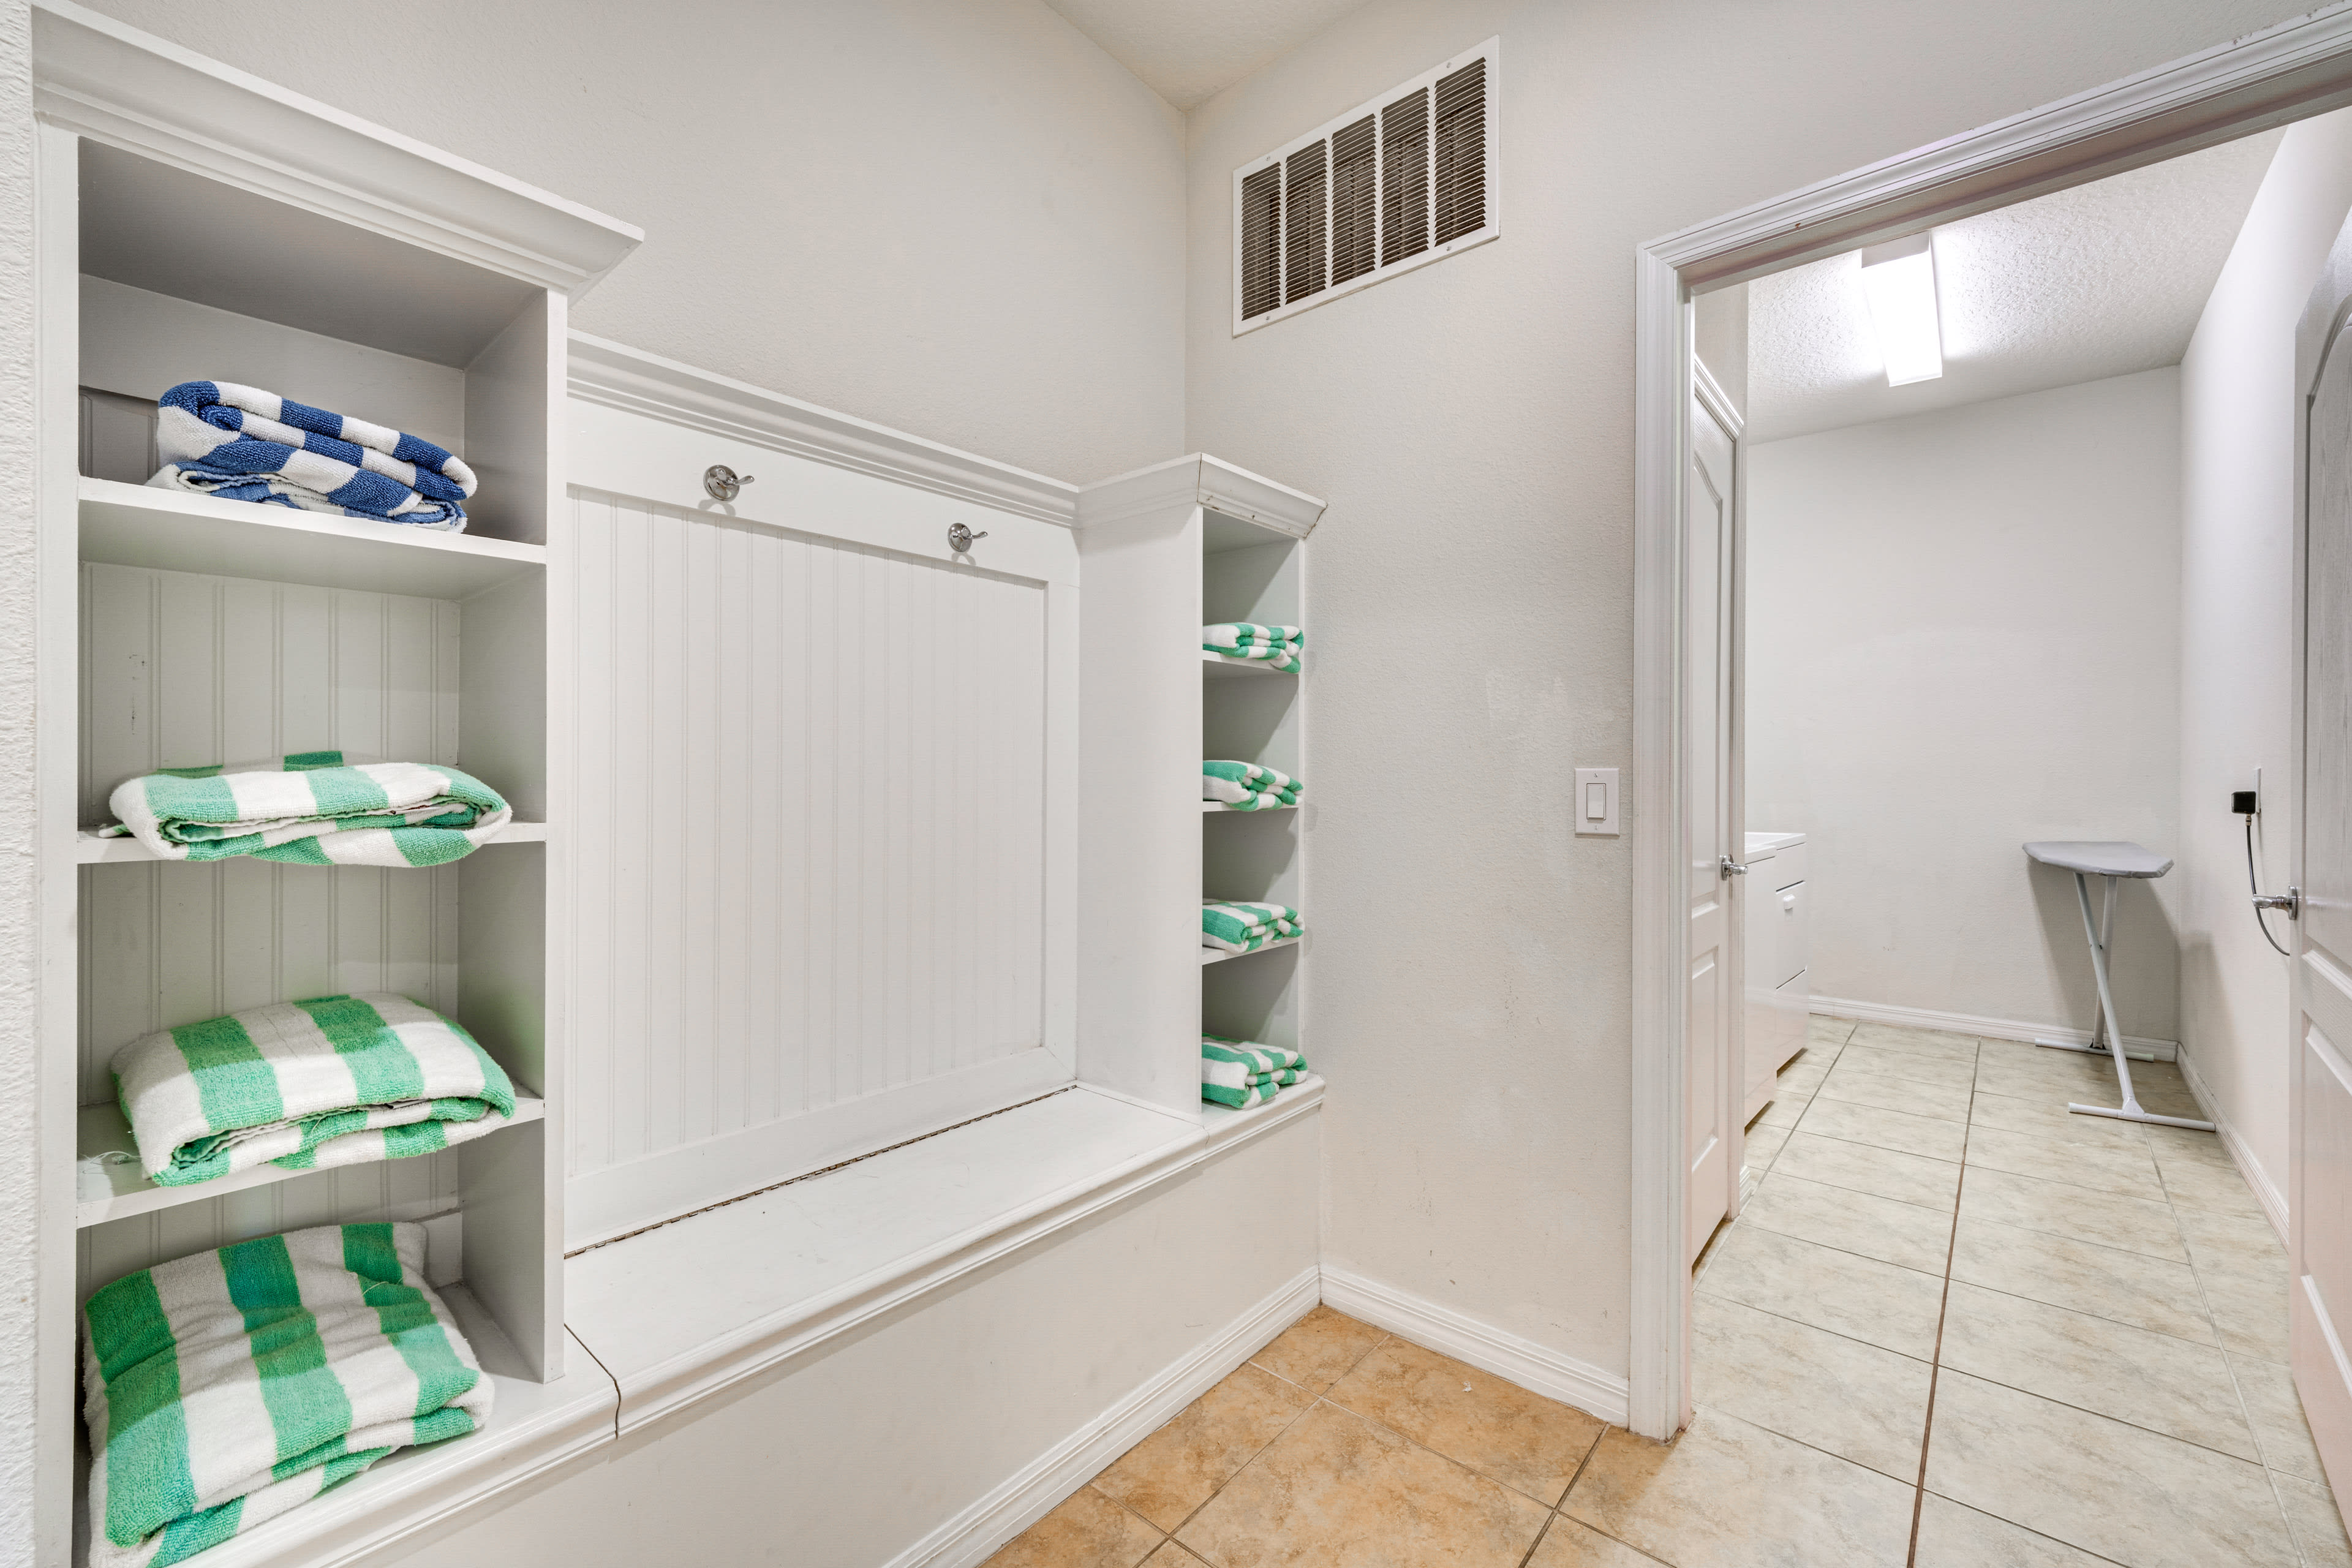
(2113,862)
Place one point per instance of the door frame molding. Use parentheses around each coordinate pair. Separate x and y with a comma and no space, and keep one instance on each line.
(2285,73)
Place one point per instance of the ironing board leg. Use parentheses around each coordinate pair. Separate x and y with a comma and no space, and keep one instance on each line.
(2130,1111)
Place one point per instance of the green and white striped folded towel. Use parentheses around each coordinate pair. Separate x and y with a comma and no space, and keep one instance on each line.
(1246,927)
(335,1080)
(1243,1073)
(1228,637)
(312,808)
(224,1389)
(1247,786)
(1266,801)
(1279,645)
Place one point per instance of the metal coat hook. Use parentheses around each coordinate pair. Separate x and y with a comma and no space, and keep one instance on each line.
(720,482)
(960,538)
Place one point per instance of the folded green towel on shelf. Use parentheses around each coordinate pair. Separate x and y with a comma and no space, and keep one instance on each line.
(1250,775)
(335,1080)
(1248,801)
(1277,646)
(1241,1073)
(1246,927)
(312,808)
(1246,786)
(224,1389)
(1228,635)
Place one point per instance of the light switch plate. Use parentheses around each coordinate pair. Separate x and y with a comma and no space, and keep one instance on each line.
(1595,802)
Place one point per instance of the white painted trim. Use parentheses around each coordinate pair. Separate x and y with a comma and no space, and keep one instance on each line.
(1532,1367)
(2299,69)
(1200,479)
(972,1536)
(2265,1190)
(631,380)
(1972,1024)
(1658,1398)
(115,84)
(1718,402)
(664,1389)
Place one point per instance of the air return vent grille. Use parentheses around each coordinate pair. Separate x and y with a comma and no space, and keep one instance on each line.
(1395,183)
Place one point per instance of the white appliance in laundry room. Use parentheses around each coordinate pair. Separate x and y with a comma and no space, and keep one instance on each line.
(1778,990)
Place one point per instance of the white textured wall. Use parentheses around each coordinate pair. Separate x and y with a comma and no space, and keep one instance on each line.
(958,217)
(1472,426)
(1964,635)
(2239,405)
(19,1135)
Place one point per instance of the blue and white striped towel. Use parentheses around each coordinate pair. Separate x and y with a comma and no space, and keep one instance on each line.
(243,444)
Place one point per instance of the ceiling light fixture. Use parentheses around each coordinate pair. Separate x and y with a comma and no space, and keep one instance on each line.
(1898,280)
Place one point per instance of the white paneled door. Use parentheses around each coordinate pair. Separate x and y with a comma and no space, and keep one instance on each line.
(1710,772)
(2320,1076)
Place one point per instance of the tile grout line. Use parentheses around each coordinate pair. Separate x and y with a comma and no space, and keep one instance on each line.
(2230,1365)
(1313,1400)
(1936,1363)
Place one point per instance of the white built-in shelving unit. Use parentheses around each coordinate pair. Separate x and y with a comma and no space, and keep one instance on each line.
(1165,551)
(195,223)
(845,856)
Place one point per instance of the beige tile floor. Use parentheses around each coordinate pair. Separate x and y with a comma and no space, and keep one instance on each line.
(2073,1331)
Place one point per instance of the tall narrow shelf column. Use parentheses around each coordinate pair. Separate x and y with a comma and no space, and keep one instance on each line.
(1163,551)
(195,223)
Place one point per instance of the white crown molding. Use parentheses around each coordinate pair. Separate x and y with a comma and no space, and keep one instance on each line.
(1534,1367)
(618,377)
(1975,1024)
(100,79)
(1199,479)
(2265,78)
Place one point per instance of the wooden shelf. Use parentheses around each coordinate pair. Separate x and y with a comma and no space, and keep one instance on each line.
(1219,809)
(1216,666)
(116,1189)
(1218,956)
(89,849)
(173,531)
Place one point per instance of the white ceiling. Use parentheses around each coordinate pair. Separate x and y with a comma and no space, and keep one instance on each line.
(1190,51)
(2103,279)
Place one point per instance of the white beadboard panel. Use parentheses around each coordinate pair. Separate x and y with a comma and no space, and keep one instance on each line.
(167,943)
(813,794)
(411,1189)
(183,670)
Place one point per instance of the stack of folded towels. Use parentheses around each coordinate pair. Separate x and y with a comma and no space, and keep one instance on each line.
(240,443)
(1243,1072)
(1279,645)
(224,1389)
(1246,927)
(335,1080)
(312,808)
(1246,786)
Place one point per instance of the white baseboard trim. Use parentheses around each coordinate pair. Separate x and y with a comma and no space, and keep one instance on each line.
(973,1536)
(2258,1180)
(1530,1365)
(1970,1024)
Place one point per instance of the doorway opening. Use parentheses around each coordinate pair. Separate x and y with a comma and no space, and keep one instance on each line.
(1894,625)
